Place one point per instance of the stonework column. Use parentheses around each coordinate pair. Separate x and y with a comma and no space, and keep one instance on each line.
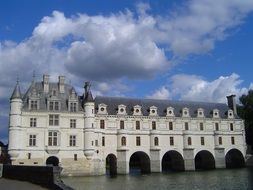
(155,160)
(220,158)
(122,162)
(189,162)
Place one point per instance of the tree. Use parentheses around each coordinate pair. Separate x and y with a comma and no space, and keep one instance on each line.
(245,111)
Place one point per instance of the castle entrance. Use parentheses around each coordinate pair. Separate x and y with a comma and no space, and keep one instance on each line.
(139,163)
(172,161)
(111,165)
(234,159)
(204,160)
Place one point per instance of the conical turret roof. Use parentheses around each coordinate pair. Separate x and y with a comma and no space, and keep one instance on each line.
(16,92)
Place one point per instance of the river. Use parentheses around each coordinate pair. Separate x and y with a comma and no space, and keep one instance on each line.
(225,179)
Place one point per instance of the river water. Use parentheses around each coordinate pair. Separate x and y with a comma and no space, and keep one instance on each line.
(225,179)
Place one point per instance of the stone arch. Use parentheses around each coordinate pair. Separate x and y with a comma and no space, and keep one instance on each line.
(204,160)
(172,160)
(234,159)
(139,162)
(52,160)
(111,165)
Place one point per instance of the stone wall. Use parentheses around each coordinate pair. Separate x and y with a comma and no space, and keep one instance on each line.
(45,176)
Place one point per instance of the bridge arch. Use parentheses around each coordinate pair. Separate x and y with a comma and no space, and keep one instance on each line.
(111,165)
(204,160)
(52,160)
(139,162)
(234,159)
(172,160)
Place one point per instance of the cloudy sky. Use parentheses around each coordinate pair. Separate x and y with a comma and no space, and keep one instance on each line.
(198,50)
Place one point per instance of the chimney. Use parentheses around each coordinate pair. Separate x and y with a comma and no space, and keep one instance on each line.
(232,103)
(61,84)
(46,83)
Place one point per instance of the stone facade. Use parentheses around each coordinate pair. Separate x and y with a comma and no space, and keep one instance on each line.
(51,122)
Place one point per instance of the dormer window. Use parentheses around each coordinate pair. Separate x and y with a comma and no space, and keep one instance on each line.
(102,109)
(54,105)
(137,110)
(121,109)
(216,113)
(170,111)
(230,114)
(33,104)
(185,112)
(73,106)
(153,111)
(200,112)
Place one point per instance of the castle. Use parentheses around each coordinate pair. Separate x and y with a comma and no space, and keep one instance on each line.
(50,124)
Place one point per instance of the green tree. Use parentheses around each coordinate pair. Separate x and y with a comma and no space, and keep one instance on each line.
(245,111)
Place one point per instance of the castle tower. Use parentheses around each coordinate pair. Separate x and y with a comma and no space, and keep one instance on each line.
(15,123)
(89,117)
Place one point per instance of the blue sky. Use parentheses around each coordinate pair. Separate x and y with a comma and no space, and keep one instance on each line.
(198,50)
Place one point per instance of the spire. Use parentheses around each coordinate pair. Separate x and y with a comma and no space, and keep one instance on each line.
(88,95)
(16,92)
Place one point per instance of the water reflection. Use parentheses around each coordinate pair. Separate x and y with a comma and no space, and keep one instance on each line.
(230,179)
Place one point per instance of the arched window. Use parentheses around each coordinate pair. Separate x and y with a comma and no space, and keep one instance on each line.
(189,141)
(156,141)
(123,141)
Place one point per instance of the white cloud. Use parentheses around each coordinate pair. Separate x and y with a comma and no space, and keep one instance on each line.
(162,93)
(196,88)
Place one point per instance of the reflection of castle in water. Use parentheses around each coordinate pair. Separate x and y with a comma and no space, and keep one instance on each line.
(51,124)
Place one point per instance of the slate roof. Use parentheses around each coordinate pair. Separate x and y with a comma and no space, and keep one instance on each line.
(62,97)
(113,102)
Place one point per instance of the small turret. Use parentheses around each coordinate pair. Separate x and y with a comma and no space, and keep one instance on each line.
(89,118)
(15,122)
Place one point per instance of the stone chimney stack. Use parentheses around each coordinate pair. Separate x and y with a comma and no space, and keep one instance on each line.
(61,84)
(232,103)
(46,83)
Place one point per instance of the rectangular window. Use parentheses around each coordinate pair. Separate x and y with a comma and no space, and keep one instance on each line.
(232,140)
(54,106)
(54,120)
(171,141)
(29,156)
(220,140)
(202,140)
(52,138)
(186,126)
(217,126)
(72,123)
(137,125)
(189,139)
(103,141)
(153,125)
(231,127)
(72,140)
(32,140)
(33,122)
(170,125)
(75,157)
(201,126)
(34,104)
(96,142)
(138,141)
(122,124)
(102,124)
